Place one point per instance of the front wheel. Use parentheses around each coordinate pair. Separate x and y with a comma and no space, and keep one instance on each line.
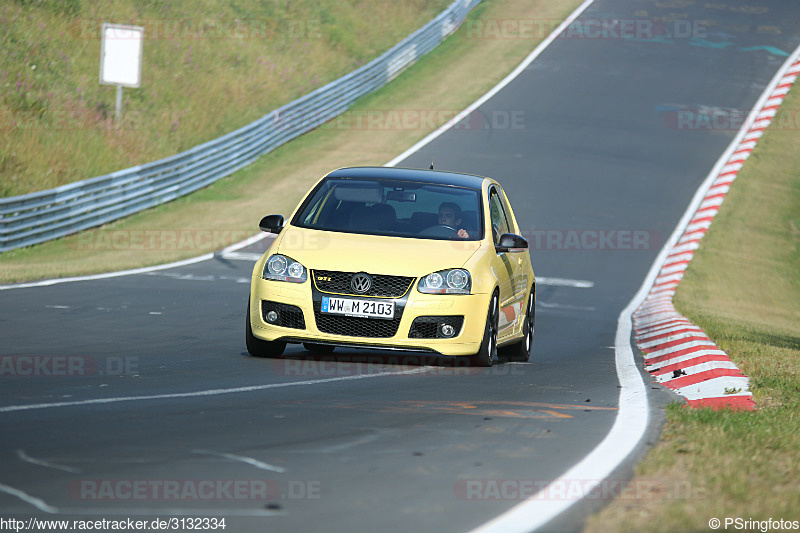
(487,353)
(521,350)
(257,347)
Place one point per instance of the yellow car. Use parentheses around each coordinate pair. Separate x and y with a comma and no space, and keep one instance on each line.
(399,259)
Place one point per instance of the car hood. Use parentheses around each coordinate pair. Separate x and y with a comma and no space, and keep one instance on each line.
(349,252)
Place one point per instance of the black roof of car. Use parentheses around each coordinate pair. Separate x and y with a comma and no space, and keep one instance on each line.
(438,177)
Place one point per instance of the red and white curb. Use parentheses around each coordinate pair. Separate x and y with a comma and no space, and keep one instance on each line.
(676,352)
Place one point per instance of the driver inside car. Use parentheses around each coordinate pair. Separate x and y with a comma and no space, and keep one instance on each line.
(450,215)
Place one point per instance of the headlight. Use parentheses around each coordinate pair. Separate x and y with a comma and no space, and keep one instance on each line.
(455,281)
(282,268)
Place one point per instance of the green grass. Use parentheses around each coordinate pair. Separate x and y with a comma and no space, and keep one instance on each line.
(204,74)
(743,289)
(442,82)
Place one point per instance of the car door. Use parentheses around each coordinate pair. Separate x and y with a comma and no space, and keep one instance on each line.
(507,268)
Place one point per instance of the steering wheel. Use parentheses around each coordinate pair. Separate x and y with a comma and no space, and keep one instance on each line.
(440,230)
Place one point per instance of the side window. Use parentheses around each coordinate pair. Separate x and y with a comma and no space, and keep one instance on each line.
(498,214)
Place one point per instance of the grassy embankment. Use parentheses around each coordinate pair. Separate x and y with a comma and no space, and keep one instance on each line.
(209,67)
(743,289)
(445,81)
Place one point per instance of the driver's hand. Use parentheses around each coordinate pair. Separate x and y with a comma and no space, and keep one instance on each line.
(463,233)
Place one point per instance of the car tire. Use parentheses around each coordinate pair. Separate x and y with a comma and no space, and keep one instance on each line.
(521,351)
(257,347)
(487,353)
(318,348)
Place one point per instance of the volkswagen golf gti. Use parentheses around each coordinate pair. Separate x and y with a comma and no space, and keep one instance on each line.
(398,259)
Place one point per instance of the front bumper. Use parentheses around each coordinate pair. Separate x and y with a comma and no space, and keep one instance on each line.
(369,332)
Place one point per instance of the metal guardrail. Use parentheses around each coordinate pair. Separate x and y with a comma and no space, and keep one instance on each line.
(41,216)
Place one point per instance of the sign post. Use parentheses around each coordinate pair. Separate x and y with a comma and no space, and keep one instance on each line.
(121,58)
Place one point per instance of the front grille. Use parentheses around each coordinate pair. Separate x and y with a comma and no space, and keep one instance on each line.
(382,286)
(427,327)
(289,316)
(352,326)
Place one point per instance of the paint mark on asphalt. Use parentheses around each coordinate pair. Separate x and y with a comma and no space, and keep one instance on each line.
(28,459)
(201,393)
(242,256)
(561,282)
(484,408)
(562,307)
(241,458)
(27,498)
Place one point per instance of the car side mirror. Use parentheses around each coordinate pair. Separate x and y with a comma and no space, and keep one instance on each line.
(271,223)
(511,242)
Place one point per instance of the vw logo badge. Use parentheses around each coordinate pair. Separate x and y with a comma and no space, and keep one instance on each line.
(361,283)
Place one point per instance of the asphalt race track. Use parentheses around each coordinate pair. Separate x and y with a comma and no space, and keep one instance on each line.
(146,404)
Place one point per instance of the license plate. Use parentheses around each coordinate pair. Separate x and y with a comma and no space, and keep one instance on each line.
(359,308)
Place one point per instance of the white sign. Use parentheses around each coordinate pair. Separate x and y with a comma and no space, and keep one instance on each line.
(121,55)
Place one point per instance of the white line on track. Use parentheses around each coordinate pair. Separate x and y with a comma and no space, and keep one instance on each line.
(242,256)
(194,277)
(561,282)
(211,392)
(27,498)
(199,259)
(48,282)
(28,459)
(242,459)
(548,305)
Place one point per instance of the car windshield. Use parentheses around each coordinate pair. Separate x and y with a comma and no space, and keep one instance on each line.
(393,208)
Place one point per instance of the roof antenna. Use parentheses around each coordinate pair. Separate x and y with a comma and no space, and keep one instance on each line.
(432,158)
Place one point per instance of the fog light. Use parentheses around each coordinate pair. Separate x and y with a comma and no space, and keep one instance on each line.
(447,330)
(272,316)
